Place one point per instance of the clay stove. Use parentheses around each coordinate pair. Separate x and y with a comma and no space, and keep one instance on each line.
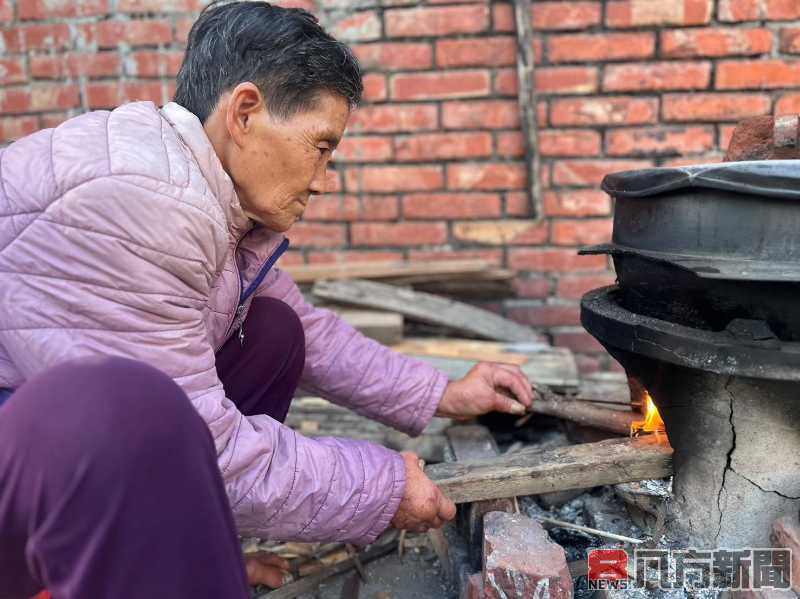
(706,316)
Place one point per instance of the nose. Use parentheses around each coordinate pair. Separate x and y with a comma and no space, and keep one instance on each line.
(324,181)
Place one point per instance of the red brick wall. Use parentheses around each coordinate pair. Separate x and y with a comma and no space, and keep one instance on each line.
(433,164)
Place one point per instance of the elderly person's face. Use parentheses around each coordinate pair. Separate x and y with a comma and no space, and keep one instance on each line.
(276,164)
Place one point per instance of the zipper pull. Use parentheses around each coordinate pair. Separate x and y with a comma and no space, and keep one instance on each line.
(239,311)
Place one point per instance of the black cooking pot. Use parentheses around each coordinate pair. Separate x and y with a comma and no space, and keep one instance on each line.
(704,245)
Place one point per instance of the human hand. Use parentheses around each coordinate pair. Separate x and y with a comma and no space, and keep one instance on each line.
(423,506)
(267,569)
(488,387)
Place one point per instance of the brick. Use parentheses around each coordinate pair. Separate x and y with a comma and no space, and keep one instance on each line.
(575,286)
(713,106)
(52,119)
(714,41)
(710,158)
(483,51)
(485,176)
(726,133)
(88,64)
(546,315)
(532,287)
(183,25)
(480,114)
(754,10)
(436,21)
(398,234)
(600,47)
(144,32)
(569,142)
(307,235)
(790,40)
(565,80)
(6,11)
(788,104)
(578,341)
(440,85)
(349,256)
(554,260)
(451,205)
(160,6)
(786,534)
(659,141)
(501,232)
(642,13)
(550,16)
(338,207)
(591,172)
(581,231)
(443,146)
(518,203)
(375,88)
(46,37)
(657,76)
(510,144)
(112,94)
(12,128)
(577,202)
(367,148)
(53,9)
(607,110)
(520,559)
(394,118)
(152,63)
(38,98)
(394,56)
(359,26)
(763,74)
(12,70)
(390,179)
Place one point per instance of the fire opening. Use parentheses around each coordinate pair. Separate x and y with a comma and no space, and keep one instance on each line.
(652,422)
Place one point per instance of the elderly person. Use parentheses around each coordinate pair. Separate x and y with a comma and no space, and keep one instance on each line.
(149,346)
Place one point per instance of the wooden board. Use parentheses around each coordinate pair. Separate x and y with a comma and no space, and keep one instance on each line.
(383,270)
(553,366)
(530,472)
(465,349)
(425,308)
(385,327)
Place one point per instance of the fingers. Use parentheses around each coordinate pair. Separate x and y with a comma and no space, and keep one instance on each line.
(266,569)
(447,509)
(525,387)
(511,381)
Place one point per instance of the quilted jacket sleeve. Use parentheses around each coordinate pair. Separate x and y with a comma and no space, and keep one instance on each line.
(346,367)
(134,262)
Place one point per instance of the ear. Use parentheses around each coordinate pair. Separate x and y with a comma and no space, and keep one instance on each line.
(245,103)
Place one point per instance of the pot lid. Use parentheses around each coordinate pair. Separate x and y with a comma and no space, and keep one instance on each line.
(771,178)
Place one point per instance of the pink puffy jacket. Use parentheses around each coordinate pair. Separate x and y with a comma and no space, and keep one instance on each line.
(121,234)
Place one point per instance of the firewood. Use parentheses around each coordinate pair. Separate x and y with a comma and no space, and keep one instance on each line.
(585,413)
(530,472)
(425,308)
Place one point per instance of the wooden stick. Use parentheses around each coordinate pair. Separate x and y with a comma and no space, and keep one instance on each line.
(592,531)
(531,472)
(586,414)
(386,544)
(527,101)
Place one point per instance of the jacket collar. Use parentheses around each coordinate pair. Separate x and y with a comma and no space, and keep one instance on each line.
(191,132)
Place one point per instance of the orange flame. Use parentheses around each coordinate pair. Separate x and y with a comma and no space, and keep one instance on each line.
(652,422)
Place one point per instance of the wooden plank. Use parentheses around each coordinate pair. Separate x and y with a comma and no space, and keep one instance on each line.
(526,98)
(385,327)
(465,349)
(530,472)
(425,308)
(554,367)
(385,270)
